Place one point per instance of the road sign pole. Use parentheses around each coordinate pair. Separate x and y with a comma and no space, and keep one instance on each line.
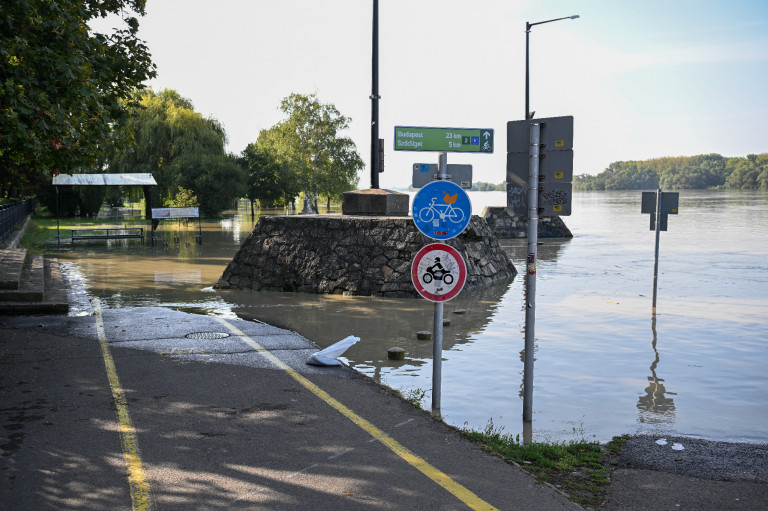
(530,275)
(437,323)
(442,166)
(656,256)
(437,357)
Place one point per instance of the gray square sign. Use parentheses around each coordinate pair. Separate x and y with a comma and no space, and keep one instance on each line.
(556,134)
(554,167)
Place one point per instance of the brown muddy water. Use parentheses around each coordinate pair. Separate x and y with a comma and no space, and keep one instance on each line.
(604,364)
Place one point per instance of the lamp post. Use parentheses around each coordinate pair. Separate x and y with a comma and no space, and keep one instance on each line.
(528,113)
(375,160)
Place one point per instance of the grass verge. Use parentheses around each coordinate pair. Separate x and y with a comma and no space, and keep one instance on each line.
(580,470)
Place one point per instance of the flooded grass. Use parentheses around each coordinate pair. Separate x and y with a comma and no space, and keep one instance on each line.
(579,469)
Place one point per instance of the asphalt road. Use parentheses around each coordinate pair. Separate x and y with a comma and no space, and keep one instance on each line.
(151,408)
(240,422)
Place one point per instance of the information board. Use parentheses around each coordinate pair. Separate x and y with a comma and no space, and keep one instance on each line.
(188,212)
(462,140)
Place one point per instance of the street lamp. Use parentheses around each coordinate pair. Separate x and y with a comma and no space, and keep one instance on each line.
(375,158)
(528,113)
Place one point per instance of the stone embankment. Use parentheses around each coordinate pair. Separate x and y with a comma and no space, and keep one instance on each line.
(503,224)
(351,255)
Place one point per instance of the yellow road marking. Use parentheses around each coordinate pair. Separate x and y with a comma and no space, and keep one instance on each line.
(141,498)
(459,491)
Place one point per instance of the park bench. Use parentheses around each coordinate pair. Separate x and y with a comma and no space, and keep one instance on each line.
(111,233)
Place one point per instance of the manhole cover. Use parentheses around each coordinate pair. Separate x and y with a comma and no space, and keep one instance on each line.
(207,335)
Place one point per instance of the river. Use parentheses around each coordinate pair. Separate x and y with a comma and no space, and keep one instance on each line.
(604,364)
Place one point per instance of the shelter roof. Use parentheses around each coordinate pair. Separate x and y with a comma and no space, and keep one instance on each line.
(104,179)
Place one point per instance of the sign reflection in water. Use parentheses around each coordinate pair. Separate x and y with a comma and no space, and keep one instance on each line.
(600,369)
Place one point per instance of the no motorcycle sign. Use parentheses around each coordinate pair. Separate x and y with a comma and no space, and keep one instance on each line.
(438,272)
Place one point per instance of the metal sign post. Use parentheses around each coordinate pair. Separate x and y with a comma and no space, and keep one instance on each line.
(539,174)
(656,252)
(530,274)
(659,204)
(441,210)
(438,273)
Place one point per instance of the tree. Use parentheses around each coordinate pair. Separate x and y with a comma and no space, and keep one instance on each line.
(309,143)
(63,87)
(748,173)
(184,198)
(681,172)
(180,148)
(269,181)
(167,129)
(217,180)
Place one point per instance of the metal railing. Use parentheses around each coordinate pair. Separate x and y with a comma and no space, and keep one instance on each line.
(14,214)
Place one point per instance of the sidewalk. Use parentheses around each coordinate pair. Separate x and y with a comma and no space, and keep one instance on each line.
(219,426)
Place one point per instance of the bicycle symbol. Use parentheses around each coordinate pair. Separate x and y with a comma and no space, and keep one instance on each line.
(442,211)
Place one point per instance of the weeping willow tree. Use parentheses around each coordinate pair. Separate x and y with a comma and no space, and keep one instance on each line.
(180,148)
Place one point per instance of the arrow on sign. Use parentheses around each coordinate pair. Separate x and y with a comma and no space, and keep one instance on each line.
(486,135)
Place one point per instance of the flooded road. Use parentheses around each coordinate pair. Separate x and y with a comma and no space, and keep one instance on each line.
(604,364)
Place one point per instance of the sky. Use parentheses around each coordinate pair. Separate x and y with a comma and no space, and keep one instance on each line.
(642,79)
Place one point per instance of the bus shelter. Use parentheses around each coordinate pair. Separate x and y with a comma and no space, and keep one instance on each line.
(146,181)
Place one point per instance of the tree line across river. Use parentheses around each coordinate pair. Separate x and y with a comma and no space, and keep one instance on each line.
(706,171)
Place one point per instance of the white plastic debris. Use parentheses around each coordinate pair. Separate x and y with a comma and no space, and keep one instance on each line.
(677,447)
(661,441)
(328,356)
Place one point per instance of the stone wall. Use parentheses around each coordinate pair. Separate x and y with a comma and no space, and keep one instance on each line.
(349,255)
(504,224)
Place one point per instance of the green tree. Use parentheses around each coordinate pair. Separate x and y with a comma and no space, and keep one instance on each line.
(482,186)
(309,143)
(699,172)
(63,87)
(269,181)
(184,198)
(216,179)
(167,130)
(748,173)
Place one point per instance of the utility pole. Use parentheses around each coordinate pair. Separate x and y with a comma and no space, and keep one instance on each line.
(375,161)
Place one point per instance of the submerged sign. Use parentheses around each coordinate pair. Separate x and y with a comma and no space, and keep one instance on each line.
(461,140)
(190,212)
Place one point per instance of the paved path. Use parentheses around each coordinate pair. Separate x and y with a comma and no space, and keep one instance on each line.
(239,422)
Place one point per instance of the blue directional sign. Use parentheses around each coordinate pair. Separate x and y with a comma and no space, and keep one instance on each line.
(441,210)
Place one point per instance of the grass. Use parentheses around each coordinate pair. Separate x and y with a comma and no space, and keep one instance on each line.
(414,396)
(581,470)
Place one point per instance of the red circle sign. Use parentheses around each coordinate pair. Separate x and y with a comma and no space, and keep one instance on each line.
(438,272)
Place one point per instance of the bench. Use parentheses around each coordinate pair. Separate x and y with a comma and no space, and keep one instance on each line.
(111,233)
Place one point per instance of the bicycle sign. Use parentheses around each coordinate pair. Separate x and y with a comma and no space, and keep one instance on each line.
(441,210)
(438,272)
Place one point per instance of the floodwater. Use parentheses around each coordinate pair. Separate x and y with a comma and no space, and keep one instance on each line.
(605,365)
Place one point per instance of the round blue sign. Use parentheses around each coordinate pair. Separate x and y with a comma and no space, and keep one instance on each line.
(441,210)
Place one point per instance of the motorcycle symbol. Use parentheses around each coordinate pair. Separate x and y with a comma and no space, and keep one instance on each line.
(437,272)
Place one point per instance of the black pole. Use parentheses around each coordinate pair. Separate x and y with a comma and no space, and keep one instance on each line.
(58,232)
(375,98)
(527,77)
(528,25)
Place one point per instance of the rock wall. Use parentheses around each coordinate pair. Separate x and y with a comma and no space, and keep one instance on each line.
(350,255)
(503,224)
